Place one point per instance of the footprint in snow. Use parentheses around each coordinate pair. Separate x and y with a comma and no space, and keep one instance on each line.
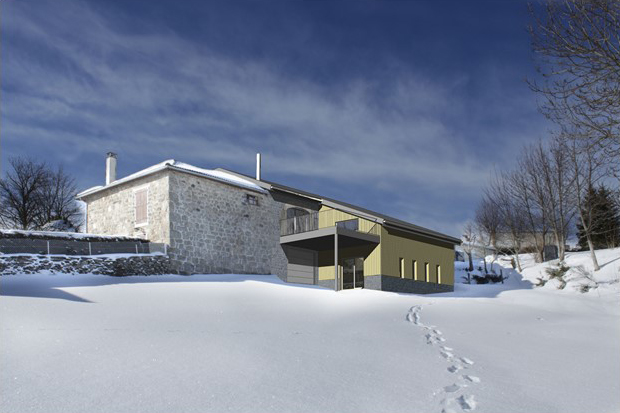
(473,379)
(454,368)
(467,403)
(467,361)
(451,388)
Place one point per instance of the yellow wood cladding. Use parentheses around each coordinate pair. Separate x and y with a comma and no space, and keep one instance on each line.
(329,216)
(371,254)
(411,247)
(384,259)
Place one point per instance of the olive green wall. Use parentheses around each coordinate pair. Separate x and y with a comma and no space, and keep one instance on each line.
(383,259)
(400,244)
(372,254)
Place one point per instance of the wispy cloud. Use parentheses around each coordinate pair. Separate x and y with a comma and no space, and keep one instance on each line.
(76,86)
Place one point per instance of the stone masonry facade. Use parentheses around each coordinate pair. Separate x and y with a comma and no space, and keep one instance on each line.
(210,226)
(214,229)
(112,212)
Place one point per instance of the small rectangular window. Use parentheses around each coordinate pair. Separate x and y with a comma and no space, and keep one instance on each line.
(141,200)
(251,199)
(415,269)
(426,272)
(438,270)
(401,267)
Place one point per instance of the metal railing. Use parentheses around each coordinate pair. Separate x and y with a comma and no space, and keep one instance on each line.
(325,219)
(77,247)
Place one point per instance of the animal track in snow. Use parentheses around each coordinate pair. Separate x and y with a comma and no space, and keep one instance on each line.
(463,402)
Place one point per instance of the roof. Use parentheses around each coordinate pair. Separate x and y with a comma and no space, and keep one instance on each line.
(386,220)
(171,164)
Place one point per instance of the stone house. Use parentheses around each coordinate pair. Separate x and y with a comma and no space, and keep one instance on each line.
(220,221)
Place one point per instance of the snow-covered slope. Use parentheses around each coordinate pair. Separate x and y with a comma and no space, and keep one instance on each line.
(214,343)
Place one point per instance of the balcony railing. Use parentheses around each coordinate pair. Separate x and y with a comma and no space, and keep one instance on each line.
(326,219)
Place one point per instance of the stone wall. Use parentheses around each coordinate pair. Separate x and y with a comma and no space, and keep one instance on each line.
(112,211)
(404,285)
(213,229)
(122,265)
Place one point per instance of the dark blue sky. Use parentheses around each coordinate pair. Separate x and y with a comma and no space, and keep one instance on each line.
(404,107)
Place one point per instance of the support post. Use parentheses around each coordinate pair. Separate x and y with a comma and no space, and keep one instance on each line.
(336,259)
(48,247)
(90,250)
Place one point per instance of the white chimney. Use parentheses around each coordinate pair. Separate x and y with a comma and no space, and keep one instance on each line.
(258,166)
(110,168)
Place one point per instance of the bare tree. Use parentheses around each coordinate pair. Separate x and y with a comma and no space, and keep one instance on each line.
(469,243)
(57,200)
(512,217)
(588,165)
(557,181)
(31,195)
(527,188)
(20,192)
(488,221)
(577,46)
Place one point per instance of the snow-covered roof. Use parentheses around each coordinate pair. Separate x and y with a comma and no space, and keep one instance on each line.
(217,175)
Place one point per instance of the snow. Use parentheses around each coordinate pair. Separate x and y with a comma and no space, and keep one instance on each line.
(64,235)
(221,175)
(580,274)
(211,173)
(250,343)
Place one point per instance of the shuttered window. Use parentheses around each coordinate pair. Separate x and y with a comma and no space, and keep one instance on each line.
(141,206)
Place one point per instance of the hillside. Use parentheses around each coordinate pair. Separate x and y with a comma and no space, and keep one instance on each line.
(213,343)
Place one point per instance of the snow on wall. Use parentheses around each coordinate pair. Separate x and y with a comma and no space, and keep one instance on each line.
(117,265)
(14,233)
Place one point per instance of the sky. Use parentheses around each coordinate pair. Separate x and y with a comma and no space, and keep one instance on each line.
(402,107)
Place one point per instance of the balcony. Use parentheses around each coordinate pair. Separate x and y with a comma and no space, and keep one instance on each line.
(316,230)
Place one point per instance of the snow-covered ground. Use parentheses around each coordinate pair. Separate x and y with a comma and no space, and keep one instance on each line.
(214,343)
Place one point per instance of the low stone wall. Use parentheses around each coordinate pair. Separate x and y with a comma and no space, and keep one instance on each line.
(121,265)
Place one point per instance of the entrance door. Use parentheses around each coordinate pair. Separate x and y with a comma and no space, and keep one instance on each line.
(352,273)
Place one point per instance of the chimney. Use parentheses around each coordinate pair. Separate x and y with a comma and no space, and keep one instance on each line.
(258,166)
(110,168)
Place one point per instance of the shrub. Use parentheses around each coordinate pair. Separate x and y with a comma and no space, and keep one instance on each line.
(557,271)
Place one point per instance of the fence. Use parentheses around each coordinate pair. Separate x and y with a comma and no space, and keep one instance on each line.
(77,247)
(324,219)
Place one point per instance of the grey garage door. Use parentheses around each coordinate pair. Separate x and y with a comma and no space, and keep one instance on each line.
(301,265)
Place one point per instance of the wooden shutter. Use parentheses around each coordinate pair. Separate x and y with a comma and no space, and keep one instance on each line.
(141,206)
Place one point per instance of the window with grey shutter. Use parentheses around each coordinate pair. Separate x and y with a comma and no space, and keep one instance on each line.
(141,206)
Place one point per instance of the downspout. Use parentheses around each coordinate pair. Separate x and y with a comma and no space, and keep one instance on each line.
(336,259)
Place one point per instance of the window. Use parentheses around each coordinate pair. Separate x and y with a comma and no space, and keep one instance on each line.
(401,267)
(426,272)
(415,269)
(438,271)
(251,199)
(141,198)
(295,212)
